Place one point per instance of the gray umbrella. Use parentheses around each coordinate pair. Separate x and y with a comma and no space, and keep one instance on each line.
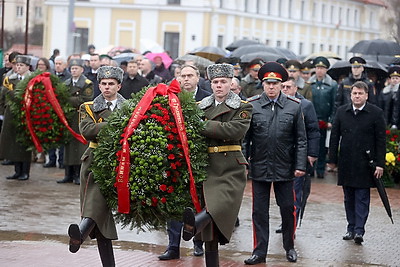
(242,42)
(265,56)
(198,61)
(124,57)
(376,47)
(248,49)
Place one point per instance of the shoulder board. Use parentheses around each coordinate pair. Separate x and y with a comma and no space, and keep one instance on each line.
(346,86)
(198,102)
(253,98)
(295,99)
(88,81)
(244,101)
(88,103)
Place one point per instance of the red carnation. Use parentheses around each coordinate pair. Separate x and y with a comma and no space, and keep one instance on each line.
(154,201)
(163,187)
(387,132)
(170,146)
(163,200)
(170,189)
(171,156)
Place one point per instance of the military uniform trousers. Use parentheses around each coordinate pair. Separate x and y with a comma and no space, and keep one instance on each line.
(284,195)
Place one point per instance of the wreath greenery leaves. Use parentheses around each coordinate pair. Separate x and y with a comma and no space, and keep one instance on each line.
(48,127)
(159,179)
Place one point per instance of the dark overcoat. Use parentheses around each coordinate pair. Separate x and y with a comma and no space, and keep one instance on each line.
(80,93)
(226,124)
(9,147)
(93,204)
(352,135)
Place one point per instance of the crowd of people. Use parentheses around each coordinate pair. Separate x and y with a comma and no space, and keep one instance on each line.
(266,121)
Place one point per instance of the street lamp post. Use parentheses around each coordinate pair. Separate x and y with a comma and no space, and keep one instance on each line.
(26,27)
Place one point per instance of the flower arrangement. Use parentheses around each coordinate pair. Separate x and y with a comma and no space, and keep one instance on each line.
(41,108)
(159,180)
(392,158)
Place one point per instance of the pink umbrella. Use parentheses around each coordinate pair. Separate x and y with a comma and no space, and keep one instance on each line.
(166,59)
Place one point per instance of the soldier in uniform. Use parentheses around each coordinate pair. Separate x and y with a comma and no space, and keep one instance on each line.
(228,118)
(9,148)
(250,83)
(306,70)
(357,74)
(278,154)
(389,99)
(81,89)
(323,97)
(97,220)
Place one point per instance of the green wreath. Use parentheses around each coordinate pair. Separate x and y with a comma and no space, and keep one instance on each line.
(45,122)
(158,178)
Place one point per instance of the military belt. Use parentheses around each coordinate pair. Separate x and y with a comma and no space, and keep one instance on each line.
(217,149)
(93,145)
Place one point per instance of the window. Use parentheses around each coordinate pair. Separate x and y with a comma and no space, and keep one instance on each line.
(338,50)
(278,43)
(323,12)
(314,10)
(171,43)
(301,48)
(321,47)
(20,11)
(290,8)
(355,17)
(269,7)
(302,15)
(220,41)
(81,39)
(267,42)
(332,14)
(38,12)
(313,48)
(279,8)
(174,2)
(288,45)
(348,17)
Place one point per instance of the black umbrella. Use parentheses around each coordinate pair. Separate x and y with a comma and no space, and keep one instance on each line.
(289,54)
(340,68)
(212,53)
(238,43)
(379,68)
(376,47)
(248,49)
(380,187)
(265,56)
(306,193)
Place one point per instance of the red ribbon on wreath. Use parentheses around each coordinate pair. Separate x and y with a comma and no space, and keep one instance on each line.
(123,170)
(44,78)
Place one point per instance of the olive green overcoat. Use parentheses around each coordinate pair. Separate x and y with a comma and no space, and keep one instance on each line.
(226,125)
(93,204)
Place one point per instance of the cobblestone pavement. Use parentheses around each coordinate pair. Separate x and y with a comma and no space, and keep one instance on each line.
(35,214)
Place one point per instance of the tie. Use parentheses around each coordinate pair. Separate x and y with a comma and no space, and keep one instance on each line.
(356,111)
(109,104)
(19,77)
(273,106)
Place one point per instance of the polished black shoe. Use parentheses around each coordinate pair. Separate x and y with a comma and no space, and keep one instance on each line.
(320,175)
(198,251)
(13,177)
(291,255)
(77,181)
(169,255)
(23,177)
(279,229)
(237,223)
(61,166)
(49,165)
(7,162)
(348,236)
(75,238)
(254,259)
(358,239)
(65,180)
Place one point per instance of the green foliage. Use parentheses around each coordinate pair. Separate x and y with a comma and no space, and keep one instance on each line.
(46,123)
(159,178)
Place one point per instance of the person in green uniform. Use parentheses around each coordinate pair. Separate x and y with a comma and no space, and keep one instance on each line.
(81,89)
(227,121)
(97,220)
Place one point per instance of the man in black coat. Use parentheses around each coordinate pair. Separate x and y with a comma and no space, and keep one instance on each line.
(278,154)
(132,82)
(358,127)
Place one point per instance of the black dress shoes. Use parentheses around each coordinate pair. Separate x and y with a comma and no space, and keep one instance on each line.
(7,162)
(198,251)
(13,177)
(23,177)
(358,239)
(49,165)
(291,255)
(254,259)
(65,180)
(169,255)
(348,236)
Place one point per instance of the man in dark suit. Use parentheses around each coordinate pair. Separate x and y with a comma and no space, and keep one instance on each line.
(132,82)
(358,127)
(189,79)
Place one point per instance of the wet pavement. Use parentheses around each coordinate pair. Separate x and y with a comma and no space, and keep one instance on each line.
(35,215)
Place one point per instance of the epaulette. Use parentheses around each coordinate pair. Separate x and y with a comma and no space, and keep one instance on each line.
(295,99)
(88,103)
(244,101)
(253,98)
(198,102)
(88,81)
(7,84)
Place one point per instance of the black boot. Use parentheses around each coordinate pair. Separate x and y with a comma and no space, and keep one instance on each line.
(211,254)
(106,251)
(26,167)
(18,171)
(68,178)
(194,224)
(78,234)
(76,175)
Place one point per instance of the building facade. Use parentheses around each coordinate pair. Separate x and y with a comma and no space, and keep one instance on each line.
(303,26)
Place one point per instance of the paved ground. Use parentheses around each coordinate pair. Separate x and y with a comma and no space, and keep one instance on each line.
(35,214)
